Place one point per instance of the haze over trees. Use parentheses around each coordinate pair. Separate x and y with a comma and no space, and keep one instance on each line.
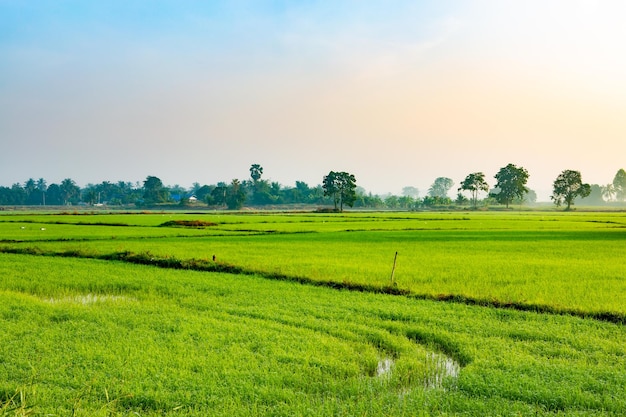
(410,191)
(608,192)
(440,187)
(259,192)
(595,196)
(619,185)
(438,193)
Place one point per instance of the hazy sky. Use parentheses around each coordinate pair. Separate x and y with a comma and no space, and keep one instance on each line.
(395,92)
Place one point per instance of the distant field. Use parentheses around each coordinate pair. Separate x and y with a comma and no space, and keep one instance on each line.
(567,261)
(86,336)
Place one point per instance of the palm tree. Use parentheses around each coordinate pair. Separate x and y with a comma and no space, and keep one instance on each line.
(30,187)
(256,171)
(69,189)
(42,186)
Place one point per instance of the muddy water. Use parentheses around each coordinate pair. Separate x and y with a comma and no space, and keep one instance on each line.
(439,368)
(384,367)
(88,299)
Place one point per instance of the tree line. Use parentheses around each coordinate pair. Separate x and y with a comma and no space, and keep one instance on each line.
(338,189)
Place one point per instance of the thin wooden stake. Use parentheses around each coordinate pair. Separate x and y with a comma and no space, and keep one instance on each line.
(394,267)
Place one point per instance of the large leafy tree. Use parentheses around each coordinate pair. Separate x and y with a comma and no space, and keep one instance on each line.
(201,192)
(340,186)
(302,192)
(511,183)
(218,194)
(153,191)
(619,185)
(474,183)
(567,186)
(235,196)
(440,187)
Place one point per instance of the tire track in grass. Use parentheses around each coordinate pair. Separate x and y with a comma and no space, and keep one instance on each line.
(438,366)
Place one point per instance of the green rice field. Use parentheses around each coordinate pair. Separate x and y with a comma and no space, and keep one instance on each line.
(283,314)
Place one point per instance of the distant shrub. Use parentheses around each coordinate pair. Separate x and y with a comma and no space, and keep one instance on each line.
(327,210)
(187,223)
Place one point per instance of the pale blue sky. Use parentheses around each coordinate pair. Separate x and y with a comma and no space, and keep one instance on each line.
(396,92)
